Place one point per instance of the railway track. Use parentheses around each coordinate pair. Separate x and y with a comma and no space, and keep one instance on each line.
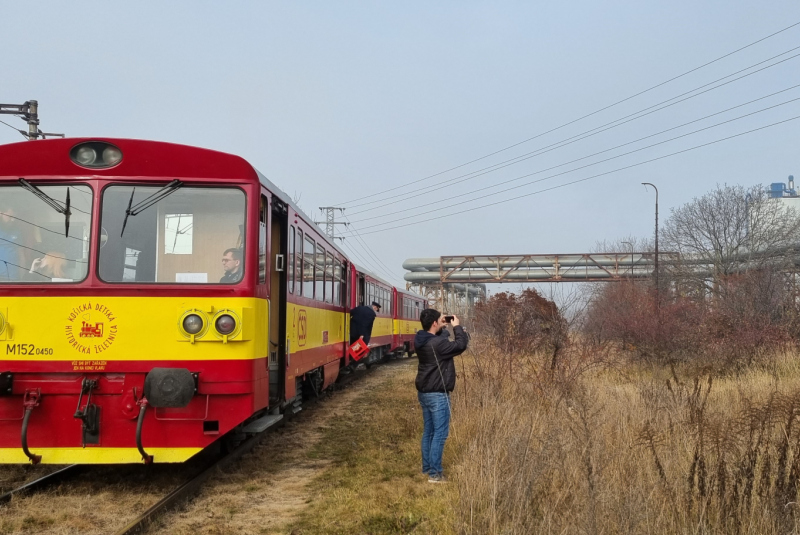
(204,469)
(192,486)
(43,482)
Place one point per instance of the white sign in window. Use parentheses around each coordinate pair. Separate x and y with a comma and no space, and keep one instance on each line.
(178,233)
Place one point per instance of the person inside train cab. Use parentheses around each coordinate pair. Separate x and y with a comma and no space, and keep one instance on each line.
(361,320)
(10,248)
(232,264)
(52,266)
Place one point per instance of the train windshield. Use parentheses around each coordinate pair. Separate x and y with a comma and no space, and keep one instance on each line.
(190,236)
(39,242)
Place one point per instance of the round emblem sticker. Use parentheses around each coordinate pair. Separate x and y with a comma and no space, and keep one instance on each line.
(91,328)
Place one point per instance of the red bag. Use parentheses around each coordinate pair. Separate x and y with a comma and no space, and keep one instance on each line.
(358,349)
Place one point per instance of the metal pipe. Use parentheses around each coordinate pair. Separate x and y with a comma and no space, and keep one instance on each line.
(148,459)
(35,459)
(542,261)
(522,274)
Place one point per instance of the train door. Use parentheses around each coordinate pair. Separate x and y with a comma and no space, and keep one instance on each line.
(277,299)
(361,288)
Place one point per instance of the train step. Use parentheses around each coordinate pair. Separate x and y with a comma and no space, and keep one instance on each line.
(257,426)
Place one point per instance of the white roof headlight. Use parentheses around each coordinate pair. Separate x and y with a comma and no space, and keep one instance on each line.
(95,154)
(85,156)
(111,155)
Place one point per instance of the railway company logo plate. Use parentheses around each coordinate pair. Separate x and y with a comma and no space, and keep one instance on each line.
(302,328)
(91,328)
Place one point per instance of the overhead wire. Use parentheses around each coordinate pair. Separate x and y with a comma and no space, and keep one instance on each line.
(7,263)
(365,263)
(582,179)
(479,190)
(358,237)
(44,253)
(374,266)
(17,218)
(591,132)
(15,128)
(579,118)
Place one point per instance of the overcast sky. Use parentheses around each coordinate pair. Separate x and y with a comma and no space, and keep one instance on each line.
(338,100)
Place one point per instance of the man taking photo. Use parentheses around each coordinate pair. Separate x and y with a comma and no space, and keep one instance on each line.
(436,378)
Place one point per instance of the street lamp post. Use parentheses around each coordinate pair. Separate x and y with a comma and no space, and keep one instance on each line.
(658,288)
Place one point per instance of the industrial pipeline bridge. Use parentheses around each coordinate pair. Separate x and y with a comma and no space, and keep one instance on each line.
(455,283)
(584,267)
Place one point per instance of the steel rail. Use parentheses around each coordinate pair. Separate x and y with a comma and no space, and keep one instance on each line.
(192,486)
(42,482)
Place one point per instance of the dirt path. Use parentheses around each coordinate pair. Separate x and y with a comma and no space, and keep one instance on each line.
(269,488)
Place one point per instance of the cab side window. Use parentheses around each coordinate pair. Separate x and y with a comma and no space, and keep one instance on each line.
(290,261)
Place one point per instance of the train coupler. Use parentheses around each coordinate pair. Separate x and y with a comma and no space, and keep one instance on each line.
(90,414)
(142,402)
(30,401)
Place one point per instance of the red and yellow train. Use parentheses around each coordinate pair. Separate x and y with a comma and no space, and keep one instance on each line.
(125,339)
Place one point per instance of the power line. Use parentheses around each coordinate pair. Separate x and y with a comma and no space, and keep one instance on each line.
(582,117)
(17,129)
(39,226)
(7,263)
(42,252)
(359,238)
(364,262)
(597,130)
(584,179)
(478,190)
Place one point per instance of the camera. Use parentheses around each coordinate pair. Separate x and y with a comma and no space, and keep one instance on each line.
(448,319)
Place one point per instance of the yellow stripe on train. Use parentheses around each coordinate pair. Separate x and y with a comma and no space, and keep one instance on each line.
(127,328)
(97,455)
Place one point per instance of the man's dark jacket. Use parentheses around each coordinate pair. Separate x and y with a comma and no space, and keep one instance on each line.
(231,277)
(361,320)
(430,348)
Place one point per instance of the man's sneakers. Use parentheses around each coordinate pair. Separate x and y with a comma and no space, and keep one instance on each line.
(438,478)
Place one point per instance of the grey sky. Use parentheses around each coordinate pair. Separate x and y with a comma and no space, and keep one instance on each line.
(336,100)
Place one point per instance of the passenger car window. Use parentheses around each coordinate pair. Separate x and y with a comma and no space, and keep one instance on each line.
(309,254)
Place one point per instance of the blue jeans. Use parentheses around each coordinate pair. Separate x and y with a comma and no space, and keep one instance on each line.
(436,419)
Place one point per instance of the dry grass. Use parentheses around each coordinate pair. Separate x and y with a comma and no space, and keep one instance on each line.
(624,449)
(598,445)
(350,465)
(99,500)
(375,484)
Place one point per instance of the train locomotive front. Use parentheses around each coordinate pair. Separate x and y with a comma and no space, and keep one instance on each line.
(134,300)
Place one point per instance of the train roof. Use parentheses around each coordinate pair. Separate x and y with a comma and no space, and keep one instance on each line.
(412,294)
(140,158)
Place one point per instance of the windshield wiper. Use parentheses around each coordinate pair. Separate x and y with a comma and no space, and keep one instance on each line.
(54,204)
(141,206)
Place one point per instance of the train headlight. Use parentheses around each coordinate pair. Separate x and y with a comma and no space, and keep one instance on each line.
(85,156)
(225,324)
(112,155)
(95,154)
(193,324)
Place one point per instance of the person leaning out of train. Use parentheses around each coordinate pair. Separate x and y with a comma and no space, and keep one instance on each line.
(436,378)
(232,265)
(362,318)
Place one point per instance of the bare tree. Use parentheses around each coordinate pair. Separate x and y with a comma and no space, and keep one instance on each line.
(727,231)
